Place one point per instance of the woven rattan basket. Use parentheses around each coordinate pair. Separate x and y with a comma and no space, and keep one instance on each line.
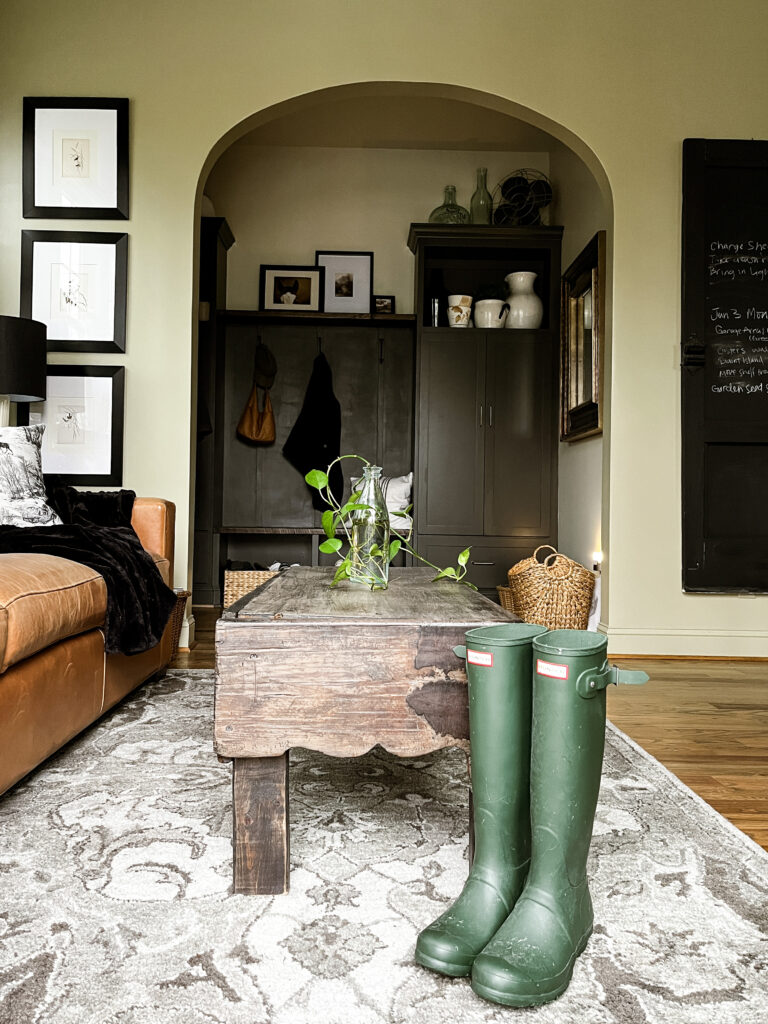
(505,598)
(177,618)
(555,592)
(239,582)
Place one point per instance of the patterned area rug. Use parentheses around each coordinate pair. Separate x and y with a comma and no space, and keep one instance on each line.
(115,875)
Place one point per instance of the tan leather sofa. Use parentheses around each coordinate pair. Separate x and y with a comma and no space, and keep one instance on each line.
(55,678)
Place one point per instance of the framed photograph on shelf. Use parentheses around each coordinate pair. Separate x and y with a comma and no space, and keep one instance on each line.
(75,158)
(83,417)
(383,305)
(291,289)
(75,283)
(348,281)
(582,342)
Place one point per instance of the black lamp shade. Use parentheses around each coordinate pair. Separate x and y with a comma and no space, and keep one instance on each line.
(22,359)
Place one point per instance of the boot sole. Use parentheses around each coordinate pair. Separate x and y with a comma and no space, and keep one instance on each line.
(451,970)
(520,999)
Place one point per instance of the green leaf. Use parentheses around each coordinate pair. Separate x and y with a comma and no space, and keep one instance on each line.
(342,572)
(450,573)
(317,478)
(463,557)
(374,551)
(351,506)
(394,547)
(329,546)
(328,523)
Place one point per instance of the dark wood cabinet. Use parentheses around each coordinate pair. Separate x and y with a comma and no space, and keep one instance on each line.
(486,403)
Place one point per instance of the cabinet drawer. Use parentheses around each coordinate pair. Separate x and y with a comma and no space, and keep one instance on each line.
(488,563)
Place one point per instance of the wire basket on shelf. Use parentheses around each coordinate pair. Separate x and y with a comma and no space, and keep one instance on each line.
(239,582)
(556,592)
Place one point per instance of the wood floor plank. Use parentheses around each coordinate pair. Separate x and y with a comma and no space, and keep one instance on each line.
(706,720)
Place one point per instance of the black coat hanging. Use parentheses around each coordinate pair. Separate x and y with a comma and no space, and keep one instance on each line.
(315,440)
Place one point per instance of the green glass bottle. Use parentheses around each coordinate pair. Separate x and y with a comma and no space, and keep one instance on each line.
(481,204)
(450,212)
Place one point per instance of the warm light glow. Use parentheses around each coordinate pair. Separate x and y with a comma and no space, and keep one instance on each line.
(597,559)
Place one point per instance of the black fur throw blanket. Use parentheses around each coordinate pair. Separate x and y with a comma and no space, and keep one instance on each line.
(139,603)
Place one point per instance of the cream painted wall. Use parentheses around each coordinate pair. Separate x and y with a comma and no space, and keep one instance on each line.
(285,202)
(622,83)
(582,490)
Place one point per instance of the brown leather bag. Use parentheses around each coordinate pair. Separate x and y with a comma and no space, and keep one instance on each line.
(257,425)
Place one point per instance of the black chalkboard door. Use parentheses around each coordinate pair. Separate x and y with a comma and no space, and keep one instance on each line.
(725,366)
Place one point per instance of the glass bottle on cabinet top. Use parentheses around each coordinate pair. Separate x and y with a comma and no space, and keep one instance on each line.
(449,212)
(481,204)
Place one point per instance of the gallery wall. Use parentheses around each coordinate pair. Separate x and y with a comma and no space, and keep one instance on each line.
(619,86)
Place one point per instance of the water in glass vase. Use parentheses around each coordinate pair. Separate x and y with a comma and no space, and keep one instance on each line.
(369,547)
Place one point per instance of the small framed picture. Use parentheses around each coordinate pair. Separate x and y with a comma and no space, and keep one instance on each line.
(75,283)
(75,158)
(291,289)
(383,304)
(348,281)
(83,417)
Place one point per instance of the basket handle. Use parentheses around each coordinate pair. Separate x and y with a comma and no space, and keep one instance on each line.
(541,547)
(556,555)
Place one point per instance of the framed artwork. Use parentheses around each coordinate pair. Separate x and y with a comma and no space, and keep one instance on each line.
(75,283)
(348,281)
(291,289)
(582,342)
(383,304)
(83,417)
(75,158)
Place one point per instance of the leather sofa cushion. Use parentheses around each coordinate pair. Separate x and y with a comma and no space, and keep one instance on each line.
(44,599)
(164,568)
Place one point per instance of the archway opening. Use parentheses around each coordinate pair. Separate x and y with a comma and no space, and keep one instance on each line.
(348,169)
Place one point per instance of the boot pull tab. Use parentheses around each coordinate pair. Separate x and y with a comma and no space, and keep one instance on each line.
(592,680)
(460,652)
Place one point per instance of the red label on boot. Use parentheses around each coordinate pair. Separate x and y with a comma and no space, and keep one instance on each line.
(484,658)
(547,668)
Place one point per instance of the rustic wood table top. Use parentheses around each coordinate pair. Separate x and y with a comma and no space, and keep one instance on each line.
(304,592)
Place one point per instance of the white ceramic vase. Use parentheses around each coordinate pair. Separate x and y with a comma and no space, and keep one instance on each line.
(526,309)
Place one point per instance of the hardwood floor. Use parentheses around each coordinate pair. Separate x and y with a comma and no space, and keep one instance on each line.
(705,720)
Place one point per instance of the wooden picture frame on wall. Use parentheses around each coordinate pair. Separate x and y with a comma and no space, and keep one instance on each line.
(75,157)
(582,343)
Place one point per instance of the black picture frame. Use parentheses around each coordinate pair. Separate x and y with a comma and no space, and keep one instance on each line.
(39,413)
(113,327)
(36,155)
(383,305)
(582,343)
(341,263)
(269,273)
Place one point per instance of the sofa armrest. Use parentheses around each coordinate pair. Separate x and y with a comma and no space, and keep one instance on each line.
(154,520)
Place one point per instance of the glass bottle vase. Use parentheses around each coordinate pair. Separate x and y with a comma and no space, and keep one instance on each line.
(481,204)
(369,544)
(450,212)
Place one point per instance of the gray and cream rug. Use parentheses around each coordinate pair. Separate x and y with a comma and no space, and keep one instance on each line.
(115,873)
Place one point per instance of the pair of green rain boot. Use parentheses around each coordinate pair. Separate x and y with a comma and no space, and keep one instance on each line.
(537,732)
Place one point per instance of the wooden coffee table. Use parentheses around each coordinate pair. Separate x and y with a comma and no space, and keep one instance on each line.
(337,671)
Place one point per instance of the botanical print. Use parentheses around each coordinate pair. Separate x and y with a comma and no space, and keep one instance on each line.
(69,290)
(75,158)
(70,422)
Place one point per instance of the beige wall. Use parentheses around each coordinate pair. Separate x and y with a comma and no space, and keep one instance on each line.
(621,82)
(285,202)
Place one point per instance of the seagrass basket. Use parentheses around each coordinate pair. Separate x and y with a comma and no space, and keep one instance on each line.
(239,582)
(505,598)
(177,618)
(555,592)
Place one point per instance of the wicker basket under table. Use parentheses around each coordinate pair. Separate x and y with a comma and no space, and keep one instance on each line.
(239,582)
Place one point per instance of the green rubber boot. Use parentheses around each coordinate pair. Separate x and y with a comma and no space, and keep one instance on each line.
(499,667)
(530,959)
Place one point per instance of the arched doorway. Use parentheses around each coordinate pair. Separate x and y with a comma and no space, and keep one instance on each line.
(349,168)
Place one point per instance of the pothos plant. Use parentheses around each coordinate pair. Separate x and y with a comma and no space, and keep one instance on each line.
(367,560)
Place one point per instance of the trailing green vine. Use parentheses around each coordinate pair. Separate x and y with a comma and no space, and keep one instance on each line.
(337,519)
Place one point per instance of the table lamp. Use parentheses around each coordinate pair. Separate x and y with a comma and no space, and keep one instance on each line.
(22,363)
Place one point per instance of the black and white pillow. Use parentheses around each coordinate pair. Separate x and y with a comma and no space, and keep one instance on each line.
(22,490)
(397,495)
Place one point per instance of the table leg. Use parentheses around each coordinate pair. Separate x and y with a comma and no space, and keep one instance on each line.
(261,825)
